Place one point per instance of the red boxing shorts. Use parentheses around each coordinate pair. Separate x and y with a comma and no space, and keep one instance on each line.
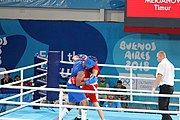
(92,96)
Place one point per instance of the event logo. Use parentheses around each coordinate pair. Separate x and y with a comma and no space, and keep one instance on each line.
(137,54)
(136,50)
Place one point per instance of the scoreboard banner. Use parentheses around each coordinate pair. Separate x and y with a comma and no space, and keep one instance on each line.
(153,8)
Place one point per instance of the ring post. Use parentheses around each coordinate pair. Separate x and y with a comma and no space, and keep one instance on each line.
(179,109)
(21,90)
(60,104)
(36,95)
(53,75)
(131,83)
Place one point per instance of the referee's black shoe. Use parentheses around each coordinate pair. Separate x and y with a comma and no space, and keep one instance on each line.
(76,118)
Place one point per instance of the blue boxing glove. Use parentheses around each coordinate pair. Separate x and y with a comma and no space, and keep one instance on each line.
(91,80)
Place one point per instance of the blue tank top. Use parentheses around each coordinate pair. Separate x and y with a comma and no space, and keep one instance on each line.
(76,68)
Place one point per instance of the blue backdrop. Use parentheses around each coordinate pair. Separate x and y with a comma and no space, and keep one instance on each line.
(21,39)
(88,4)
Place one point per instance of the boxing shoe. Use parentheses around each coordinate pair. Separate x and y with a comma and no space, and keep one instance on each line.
(76,118)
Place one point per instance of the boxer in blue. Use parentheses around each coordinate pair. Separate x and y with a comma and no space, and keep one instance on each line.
(76,81)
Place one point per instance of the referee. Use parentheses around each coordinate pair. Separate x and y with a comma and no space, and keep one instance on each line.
(165,80)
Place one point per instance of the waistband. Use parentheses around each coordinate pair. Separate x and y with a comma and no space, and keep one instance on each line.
(165,85)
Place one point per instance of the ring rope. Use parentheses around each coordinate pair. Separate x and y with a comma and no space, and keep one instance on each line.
(79,91)
(18,95)
(27,79)
(20,107)
(23,68)
(86,91)
(125,90)
(89,107)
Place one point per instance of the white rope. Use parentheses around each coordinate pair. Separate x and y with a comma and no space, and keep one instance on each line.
(20,107)
(125,90)
(30,104)
(110,65)
(41,69)
(87,91)
(42,81)
(103,92)
(12,110)
(137,102)
(108,76)
(119,66)
(66,62)
(42,58)
(122,109)
(18,95)
(125,77)
(93,108)
(23,68)
(80,91)
(27,79)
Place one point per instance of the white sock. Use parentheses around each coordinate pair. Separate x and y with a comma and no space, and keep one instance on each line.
(79,113)
(79,116)
(65,112)
(83,114)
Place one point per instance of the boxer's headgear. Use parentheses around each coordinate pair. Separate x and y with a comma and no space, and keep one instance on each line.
(79,57)
(82,56)
(90,61)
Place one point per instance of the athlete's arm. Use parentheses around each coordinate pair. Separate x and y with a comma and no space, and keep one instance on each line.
(79,78)
(94,72)
(75,58)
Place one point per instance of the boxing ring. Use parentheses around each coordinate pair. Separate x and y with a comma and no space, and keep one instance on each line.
(24,110)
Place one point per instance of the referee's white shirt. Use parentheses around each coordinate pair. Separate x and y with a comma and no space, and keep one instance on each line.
(166,68)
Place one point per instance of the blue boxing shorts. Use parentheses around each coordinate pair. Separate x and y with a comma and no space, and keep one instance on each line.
(73,96)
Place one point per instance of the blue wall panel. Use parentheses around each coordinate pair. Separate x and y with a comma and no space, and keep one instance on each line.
(86,4)
(21,39)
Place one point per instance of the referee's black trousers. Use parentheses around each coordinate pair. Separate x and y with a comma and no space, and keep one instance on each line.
(163,102)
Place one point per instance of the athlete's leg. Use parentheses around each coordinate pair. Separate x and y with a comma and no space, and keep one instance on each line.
(100,112)
(84,111)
